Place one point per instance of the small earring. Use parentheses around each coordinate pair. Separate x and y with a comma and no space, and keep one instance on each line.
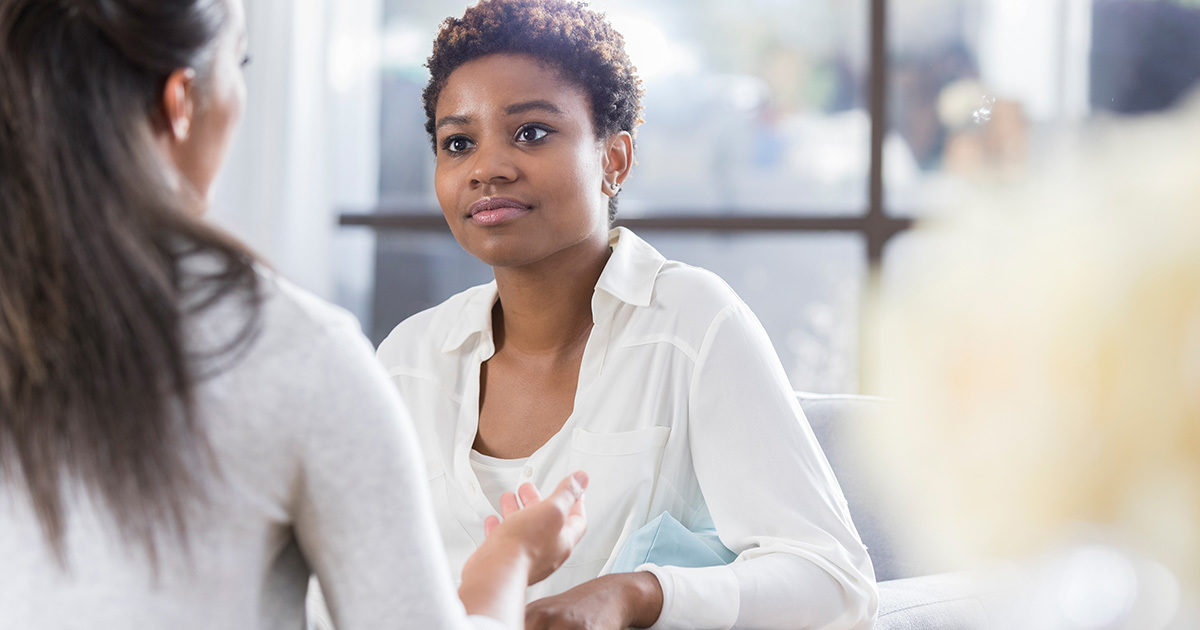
(616,187)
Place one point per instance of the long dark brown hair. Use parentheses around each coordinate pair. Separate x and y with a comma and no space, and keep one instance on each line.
(97,377)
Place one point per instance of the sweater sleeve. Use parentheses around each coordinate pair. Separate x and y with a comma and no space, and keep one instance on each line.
(361,510)
(772,496)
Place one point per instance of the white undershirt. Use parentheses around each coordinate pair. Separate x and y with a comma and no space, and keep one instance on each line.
(497,476)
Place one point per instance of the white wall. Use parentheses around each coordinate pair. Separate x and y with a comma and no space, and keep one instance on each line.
(308,144)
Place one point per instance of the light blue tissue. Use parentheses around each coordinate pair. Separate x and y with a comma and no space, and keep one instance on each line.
(666,542)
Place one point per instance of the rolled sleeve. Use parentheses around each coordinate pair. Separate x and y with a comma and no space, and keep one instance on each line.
(688,597)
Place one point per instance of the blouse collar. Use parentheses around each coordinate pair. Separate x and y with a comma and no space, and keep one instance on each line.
(628,276)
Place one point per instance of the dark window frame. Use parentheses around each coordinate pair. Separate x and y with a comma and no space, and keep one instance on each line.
(876,226)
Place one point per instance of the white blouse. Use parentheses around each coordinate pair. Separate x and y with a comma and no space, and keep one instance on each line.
(682,406)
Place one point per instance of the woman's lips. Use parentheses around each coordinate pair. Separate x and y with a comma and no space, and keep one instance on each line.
(491,211)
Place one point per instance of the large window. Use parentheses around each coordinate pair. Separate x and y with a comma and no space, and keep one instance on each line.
(787,143)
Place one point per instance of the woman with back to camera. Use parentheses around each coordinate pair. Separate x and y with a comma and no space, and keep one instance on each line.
(184,437)
(591,351)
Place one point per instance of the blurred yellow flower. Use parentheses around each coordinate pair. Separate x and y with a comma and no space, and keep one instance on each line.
(1047,358)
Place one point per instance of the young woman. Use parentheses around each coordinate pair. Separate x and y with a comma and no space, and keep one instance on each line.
(184,437)
(591,351)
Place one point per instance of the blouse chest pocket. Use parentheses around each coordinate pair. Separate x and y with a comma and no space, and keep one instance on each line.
(622,469)
(621,443)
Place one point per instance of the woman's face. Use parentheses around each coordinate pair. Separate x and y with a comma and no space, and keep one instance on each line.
(218,97)
(520,173)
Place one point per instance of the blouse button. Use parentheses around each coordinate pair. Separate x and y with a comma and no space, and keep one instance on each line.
(527,472)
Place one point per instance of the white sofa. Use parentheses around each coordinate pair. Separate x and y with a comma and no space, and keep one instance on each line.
(910,597)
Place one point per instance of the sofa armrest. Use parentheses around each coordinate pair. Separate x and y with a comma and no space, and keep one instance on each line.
(943,601)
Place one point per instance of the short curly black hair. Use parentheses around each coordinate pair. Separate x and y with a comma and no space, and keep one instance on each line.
(577,41)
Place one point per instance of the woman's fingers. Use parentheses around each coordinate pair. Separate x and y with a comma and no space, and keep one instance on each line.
(508,504)
(576,522)
(569,490)
(528,494)
(567,499)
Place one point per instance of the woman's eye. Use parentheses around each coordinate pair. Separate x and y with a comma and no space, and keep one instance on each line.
(457,144)
(531,134)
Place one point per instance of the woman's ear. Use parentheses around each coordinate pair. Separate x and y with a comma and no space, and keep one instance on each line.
(178,103)
(617,160)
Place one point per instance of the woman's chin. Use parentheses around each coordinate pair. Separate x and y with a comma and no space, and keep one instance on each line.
(505,257)
(511,249)
(499,250)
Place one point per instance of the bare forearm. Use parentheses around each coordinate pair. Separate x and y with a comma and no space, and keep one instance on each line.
(494,581)
(617,600)
(643,596)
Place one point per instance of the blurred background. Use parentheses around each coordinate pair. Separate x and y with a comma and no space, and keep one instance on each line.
(788,145)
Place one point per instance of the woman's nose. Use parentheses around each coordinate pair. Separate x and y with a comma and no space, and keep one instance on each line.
(492,165)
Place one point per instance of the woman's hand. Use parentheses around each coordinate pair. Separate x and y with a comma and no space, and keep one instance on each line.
(609,602)
(546,530)
(526,547)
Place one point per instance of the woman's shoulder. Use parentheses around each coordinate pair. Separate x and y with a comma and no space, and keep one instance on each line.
(269,314)
(692,290)
(305,362)
(686,304)
(296,313)
(637,269)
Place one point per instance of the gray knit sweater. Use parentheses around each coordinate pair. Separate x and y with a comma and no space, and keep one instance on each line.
(319,474)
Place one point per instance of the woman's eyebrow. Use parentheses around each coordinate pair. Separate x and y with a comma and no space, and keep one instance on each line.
(452,120)
(515,108)
(520,108)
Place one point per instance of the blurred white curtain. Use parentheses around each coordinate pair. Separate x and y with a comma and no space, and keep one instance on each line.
(308,144)
(1036,52)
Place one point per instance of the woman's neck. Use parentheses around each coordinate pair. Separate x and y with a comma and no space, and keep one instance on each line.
(546,308)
